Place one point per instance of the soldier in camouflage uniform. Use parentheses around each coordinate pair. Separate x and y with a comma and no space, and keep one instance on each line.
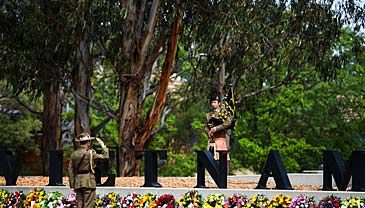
(81,170)
(217,124)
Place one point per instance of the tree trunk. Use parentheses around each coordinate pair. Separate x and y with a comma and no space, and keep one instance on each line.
(128,129)
(222,67)
(51,122)
(82,82)
(83,71)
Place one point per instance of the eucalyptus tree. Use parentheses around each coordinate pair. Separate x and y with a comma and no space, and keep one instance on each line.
(150,30)
(35,50)
(83,69)
(132,36)
(54,38)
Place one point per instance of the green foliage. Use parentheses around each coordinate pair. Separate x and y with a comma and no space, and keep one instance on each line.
(291,50)
(108,133)
(18,131)
(247,154)
(105,97)
(182,133)
(36,45)
(179,164)
(163,139)
(301,121)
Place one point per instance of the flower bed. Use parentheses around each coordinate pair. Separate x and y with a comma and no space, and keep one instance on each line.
(38,198)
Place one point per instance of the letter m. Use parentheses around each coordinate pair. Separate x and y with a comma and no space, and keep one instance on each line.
(334,166)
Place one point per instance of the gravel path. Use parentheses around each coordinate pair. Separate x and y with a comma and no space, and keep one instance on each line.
(167,182)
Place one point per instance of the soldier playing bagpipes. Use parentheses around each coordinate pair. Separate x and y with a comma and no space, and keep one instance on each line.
(218,122)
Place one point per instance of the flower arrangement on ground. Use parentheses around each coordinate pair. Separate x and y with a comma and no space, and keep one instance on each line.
(353,202)
(166,201)
(191,199)
(147,201)
(4,194)
(14,200)
(130,200)
(68,201)
(330,202)
(52,199)
(34,198)
(108,200)
(280,201)
(302,201)
(214,201)
(237,200)
(258,201)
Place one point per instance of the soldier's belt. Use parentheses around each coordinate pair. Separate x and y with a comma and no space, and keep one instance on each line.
(83,172)
(219,135)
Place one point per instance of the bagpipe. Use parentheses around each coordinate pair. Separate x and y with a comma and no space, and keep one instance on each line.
(227,110)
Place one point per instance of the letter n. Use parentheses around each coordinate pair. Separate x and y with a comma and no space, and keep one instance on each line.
(218,171)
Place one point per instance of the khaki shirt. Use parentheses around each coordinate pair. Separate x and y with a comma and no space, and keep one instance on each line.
(84,180)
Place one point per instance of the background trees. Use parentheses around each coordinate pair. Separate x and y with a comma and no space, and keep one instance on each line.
(36,48)
(139,73)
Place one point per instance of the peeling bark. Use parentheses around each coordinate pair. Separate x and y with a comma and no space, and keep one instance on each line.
(135,131)
(128,128)
(162,90)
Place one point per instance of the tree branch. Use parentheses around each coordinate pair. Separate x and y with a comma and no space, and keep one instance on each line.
(27,107)
(156,52)
(165,112)
(147,67)
(283,82)
(97,105)
(160,98)
(141,18)
(5,97)
(152,20)
(101,125)
(151,90)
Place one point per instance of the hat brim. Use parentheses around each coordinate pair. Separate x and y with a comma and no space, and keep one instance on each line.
(85,138)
